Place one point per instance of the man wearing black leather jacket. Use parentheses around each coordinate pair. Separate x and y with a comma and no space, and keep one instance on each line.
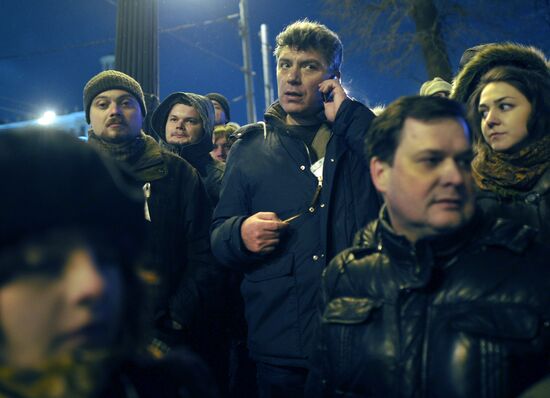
(434,299)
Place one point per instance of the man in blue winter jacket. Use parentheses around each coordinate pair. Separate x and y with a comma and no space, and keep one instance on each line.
(295,191)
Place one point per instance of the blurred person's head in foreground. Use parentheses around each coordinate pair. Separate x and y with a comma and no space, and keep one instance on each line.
(69,290)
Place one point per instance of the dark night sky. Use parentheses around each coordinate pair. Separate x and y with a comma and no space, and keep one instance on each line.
(44,66)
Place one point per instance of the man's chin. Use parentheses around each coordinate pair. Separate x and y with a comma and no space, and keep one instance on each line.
(118,135)
(183,141)
(303,117)
(449,224)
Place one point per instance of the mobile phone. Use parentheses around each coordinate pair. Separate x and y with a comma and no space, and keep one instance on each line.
(328,97)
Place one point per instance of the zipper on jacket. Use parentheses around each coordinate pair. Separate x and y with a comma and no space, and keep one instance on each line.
(315,199)
(308,154)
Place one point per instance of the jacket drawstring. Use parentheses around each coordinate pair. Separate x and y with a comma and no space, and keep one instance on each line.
(265,128)
(147,195)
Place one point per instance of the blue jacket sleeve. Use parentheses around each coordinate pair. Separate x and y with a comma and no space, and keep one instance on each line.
(352,121)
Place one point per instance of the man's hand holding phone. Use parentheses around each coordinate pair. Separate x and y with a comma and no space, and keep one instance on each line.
(333,95)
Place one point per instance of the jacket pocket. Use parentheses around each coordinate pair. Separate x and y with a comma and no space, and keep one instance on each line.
(271,309)
(281,266)
(493,340)
(508,321)
(350,310)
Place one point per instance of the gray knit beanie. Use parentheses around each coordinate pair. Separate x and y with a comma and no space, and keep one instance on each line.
(110,80)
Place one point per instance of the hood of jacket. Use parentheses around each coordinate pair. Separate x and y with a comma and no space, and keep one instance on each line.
(493,55)
(205,110)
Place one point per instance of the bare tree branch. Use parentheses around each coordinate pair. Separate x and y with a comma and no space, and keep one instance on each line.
(391,34)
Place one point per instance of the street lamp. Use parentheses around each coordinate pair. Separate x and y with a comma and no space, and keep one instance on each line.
(247,61)
(47,118)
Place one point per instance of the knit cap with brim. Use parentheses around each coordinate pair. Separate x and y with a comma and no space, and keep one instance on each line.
(435,86)
(111,80)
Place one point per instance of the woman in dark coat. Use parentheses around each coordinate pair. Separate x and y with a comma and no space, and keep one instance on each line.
(510,113)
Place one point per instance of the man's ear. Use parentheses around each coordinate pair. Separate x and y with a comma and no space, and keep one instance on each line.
(380,173)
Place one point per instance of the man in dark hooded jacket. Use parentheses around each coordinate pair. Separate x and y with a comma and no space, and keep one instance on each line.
(184,123)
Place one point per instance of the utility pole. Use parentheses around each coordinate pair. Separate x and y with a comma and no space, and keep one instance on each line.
(266,64)
(136,48)
(247,61)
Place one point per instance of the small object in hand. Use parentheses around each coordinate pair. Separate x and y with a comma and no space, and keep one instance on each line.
(291,218)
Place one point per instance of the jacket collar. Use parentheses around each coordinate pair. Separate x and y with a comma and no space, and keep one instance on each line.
(276,115)
(415,262)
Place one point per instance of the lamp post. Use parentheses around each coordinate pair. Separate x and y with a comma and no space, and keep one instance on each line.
(266,63)
(136,48)
(247,61)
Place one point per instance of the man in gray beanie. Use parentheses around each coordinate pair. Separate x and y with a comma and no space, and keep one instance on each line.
(176,208)
(184,123)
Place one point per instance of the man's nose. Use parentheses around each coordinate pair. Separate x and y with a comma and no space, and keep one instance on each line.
(453,173)
(114,108)
(294,76)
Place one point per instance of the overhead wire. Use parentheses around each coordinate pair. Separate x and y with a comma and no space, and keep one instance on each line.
(169,31)
(112,39)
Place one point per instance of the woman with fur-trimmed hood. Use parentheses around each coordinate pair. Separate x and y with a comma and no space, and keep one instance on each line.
(507,90)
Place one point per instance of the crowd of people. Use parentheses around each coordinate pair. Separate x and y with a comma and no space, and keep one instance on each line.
(323,252)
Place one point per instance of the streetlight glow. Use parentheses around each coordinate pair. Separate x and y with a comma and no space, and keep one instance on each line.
(47,118)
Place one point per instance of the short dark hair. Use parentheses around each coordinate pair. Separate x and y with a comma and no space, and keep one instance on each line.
(384,134)
(306,35)
(533,85)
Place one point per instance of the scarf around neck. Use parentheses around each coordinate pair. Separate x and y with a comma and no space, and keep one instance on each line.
(511,174)
(71,376)
(142,155)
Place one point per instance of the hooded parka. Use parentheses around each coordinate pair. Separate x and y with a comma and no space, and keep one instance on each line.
(197,154)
